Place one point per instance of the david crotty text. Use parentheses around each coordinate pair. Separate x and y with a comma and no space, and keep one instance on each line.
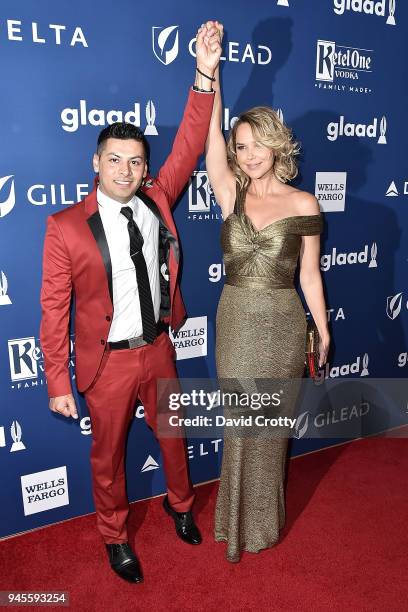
(222,421)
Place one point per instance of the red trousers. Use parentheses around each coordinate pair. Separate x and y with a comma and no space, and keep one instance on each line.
(124,376)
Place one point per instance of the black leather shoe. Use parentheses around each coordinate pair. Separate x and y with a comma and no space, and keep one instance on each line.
(186,529)
(124,562)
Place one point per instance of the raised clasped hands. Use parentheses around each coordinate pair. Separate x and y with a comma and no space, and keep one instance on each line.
(208,46)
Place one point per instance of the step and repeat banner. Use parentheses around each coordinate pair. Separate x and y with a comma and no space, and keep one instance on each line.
(335,69)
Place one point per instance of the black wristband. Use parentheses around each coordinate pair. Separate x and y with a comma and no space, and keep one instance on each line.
(205,75)
(195,88)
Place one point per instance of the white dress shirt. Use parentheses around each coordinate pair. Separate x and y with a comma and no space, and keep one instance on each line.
(127,318)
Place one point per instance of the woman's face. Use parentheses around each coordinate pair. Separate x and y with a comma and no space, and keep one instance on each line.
(254,158)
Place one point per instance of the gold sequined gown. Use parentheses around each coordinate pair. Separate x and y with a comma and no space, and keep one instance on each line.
(261,329)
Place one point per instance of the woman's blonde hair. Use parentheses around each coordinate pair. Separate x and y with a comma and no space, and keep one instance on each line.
(269,130)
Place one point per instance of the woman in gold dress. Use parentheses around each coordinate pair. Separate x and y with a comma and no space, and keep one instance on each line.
(269,227)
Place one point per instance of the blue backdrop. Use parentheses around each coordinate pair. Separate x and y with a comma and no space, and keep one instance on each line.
(336,71)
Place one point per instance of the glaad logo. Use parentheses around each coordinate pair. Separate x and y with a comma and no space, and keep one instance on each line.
(394,306)
(16,435)
(191,339)
(8,204)
(346,369)
(165,43)
(37,35)
(336,129)
(73,118)
(201,200)
(215,272)
(369,7)
(330,190)
(150,464)
(45,490)
(392,191)
(335,62)
(85,424)
(402,361)
(4,298)
(341,259)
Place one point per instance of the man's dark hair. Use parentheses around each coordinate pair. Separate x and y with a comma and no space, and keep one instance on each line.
(123,131)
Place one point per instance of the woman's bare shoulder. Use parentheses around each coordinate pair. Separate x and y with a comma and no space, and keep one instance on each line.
(303,202)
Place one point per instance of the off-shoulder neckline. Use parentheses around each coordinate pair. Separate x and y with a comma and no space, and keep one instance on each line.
(258,231)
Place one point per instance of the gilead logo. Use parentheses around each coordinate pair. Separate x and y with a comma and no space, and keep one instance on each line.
(165,43)
(8,201)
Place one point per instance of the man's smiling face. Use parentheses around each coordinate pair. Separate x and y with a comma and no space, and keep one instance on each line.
(122,166)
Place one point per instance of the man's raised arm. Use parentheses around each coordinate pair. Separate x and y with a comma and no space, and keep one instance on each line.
(191,136)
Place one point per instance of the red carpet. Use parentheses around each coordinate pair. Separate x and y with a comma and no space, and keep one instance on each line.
(344,547)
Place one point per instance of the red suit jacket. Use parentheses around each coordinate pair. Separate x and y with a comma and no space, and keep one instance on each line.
(77,261)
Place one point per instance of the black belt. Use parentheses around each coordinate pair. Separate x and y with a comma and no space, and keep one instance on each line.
(138,341)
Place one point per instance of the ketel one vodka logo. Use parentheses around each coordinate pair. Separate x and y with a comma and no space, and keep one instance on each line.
(27,362)
(343,128)
(4,298)
(369,7)
(7,200)
(165,43)
(336,62)
(24,357)
(201,200)
(394,305)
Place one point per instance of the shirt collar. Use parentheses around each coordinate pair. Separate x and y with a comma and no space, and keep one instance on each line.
(112,207)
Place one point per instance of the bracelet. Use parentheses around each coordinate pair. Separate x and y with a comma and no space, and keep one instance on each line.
(206,76)
(195,88)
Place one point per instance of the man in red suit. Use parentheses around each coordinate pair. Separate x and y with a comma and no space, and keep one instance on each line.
(117,252)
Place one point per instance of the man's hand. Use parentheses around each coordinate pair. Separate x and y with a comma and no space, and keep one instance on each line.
(208,46)
(65,405)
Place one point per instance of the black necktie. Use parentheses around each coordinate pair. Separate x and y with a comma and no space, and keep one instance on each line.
(145,295)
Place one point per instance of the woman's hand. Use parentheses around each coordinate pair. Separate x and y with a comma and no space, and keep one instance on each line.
(324,345)
(208,46)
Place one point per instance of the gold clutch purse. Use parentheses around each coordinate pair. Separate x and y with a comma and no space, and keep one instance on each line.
(312,349)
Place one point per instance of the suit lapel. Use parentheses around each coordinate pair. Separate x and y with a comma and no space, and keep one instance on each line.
(96,226)
(151,204)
